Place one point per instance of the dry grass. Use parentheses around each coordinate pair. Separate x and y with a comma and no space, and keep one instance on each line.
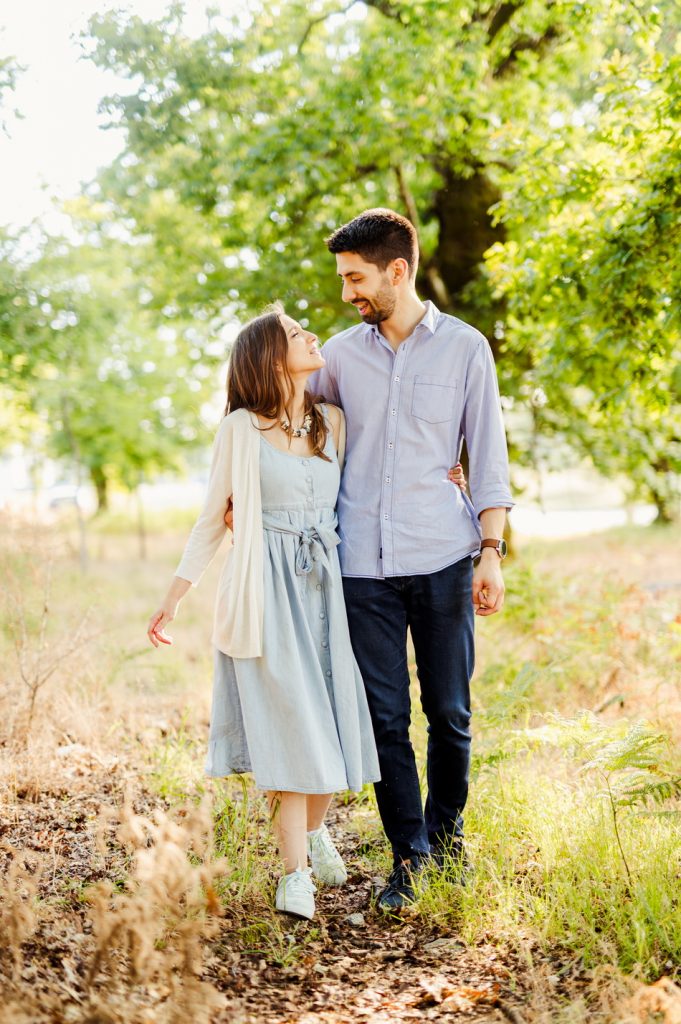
(140,941)
(137,909)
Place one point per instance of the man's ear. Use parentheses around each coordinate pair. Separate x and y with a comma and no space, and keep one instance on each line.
(399,271)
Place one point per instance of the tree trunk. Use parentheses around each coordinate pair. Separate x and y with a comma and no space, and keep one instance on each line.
(141,524)
(461,207)
(667,510)
(101,485)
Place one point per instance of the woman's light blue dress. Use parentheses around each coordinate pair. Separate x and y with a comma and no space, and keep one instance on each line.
(297,717)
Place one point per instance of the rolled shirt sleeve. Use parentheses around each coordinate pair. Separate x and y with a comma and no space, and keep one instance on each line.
(483,429)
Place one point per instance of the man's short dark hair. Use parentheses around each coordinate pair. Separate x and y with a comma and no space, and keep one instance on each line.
(378,236)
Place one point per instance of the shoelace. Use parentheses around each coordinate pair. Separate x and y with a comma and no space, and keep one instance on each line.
(299,883)
(321,840)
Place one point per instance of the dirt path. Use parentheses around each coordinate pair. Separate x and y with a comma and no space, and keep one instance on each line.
(346,969)
(364,967)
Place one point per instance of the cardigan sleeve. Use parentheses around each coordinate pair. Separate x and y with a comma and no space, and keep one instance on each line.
(210,528)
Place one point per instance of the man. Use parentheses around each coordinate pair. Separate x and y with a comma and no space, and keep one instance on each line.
(413,382)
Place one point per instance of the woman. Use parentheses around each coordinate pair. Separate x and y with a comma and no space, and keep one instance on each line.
(288,699)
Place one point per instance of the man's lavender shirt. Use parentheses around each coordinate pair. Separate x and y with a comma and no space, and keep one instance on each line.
(407,413)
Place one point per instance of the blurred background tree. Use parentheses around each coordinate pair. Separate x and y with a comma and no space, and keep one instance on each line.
(97,379)
(534,144)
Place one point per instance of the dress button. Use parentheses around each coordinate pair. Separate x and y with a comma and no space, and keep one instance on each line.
(322,615)
(325,643)
(319,586)
(328,672)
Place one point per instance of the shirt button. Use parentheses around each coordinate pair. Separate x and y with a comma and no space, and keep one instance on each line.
(392,412)
(319,586)
(397,379)
(386,516)
(306,462)
(390,445)
(322,615)
(325,643)
(328,672)
(387,479)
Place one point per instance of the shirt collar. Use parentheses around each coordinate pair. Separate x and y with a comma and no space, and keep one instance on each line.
(428,321)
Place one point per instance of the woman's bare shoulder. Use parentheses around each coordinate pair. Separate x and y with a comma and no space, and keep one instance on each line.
(335,414)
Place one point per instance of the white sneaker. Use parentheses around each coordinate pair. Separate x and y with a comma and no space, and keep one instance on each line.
(327,863)
(295,894)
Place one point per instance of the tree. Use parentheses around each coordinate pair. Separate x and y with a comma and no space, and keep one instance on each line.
(9,72)
(257,141)
(113,387)
(247,145)
(592,277)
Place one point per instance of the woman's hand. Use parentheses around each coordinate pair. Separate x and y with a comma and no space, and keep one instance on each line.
(456,475)
(229,515)
(157,623)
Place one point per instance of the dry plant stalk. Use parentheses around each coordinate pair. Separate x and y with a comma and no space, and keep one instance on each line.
(659,1003)
(18,920)
(168,910)
(39,657)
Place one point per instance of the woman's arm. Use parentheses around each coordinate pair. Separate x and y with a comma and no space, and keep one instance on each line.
(209,529)
(204,539)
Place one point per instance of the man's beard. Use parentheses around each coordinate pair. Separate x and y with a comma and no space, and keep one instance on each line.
(381,307)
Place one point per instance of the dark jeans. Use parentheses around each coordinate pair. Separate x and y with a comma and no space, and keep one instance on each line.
(438,609)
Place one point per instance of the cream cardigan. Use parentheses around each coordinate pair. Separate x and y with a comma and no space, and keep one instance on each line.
(235,473)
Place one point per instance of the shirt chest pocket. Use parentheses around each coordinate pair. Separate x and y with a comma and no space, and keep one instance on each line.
(434,399)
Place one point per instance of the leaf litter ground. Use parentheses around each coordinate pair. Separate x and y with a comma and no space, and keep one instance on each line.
(368,969)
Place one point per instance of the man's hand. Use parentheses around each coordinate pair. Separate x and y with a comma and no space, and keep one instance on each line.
(229,515)
(488,584)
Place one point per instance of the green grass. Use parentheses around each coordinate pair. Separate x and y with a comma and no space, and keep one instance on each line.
(574,817)
(583,651)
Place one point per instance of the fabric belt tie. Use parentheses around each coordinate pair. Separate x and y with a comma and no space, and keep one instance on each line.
(314,544)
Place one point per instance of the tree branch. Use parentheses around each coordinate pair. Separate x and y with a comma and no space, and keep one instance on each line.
(525,44)
(406,196)
(318,21)
(388,9)
(501,17)
(429,268)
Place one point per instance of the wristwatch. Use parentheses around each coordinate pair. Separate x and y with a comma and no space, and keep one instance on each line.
(498,545)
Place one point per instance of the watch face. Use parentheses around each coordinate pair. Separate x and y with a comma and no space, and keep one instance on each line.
(503,548)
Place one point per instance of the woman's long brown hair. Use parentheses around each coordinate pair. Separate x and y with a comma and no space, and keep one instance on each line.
(254,383)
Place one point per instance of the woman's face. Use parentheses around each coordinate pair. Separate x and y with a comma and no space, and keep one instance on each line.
(304,356)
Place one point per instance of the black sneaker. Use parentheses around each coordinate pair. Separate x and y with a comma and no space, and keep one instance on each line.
(450,857)
(399,892)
